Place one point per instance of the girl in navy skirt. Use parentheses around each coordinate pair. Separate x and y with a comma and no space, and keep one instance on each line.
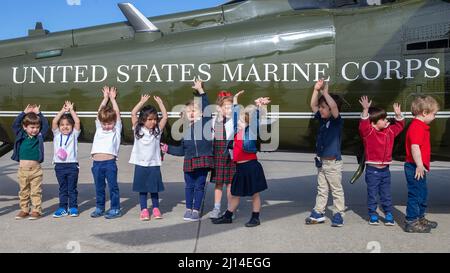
(146,154)
(249,179)
(224,166)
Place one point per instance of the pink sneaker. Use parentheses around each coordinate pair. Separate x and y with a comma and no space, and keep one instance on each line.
(145,215)
(157,214)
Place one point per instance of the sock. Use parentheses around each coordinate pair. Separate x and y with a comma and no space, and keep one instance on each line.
(255,215)
(228,214)
(143,200)
(217,206)
(155,199)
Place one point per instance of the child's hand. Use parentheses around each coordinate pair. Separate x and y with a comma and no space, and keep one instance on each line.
(28,109)
(164,147)
(325,89)
(397,109)
(36,109)
(158,100)
(319,85)
(112,93)
(144,98)
(262,101)
(239,93)
(105,91)
(420,172)
(198,85)
(68,106)
(365,103)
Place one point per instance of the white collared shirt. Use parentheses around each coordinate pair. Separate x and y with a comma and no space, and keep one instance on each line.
(106,142)
(146,150)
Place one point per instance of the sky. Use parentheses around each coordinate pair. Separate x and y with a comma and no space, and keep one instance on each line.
(57,15)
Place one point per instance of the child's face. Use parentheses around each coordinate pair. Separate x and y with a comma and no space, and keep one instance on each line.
(65,127)
(226,109)
(108,126)
(151,122)
(32,129)
(381,124)
(192,113)
(324,110)
(429,117)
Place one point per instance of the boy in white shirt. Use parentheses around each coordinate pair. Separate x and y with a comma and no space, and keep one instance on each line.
(105,149)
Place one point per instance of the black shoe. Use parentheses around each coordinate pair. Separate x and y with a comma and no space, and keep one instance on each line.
(253,222)
(427,222)
(417,227)
(222,220)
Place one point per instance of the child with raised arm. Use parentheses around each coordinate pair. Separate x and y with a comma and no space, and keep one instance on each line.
(146,154)
(249,179)
(328,159)
(417,163)
(378,137)
(30,128)
(105,149)
(66,129)
(196,147)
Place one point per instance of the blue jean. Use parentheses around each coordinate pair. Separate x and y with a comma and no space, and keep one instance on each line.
(195,187)
(378,183)
(106,170)
(417,194)
(67,175)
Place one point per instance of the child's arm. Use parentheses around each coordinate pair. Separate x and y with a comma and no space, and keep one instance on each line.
(398,126)
(417,156)
(58,116)
(315,95)
(176,150)
(198,86)
(134,112)
(330,101)
(364,123)
(165,117)
(104,102)
(236,110)
(44,122)
(17,124)
(74,115)
(112,97)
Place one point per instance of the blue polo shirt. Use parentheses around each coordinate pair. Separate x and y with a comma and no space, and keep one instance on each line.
(329,137)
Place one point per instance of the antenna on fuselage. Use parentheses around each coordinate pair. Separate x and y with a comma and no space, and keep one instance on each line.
(138,21)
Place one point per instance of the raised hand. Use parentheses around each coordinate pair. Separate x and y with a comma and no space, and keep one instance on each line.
(36,109)
(319,85)
(112,93)
(198,85)
(262,101)
(144,98)
(397,109)
(68,106)
(105,91)
(365,103)
(239,93)
(28,109)
(325,89)
(158,100)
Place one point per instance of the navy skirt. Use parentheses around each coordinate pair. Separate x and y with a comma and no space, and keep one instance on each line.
(147,179)
(248,179)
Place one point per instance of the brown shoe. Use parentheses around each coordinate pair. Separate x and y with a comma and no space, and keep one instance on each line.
(22,215)
(34,215)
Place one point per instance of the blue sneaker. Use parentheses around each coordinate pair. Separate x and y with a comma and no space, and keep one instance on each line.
(97,213)
(113,213)
(187,215)
(73,212)
(61,212)
(389,219)
(195,216)
(315,218)
(337,220)
(374,220)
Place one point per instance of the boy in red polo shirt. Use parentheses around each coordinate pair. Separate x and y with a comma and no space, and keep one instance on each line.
(418,151)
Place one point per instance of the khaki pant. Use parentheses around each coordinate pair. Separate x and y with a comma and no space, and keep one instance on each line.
(330,177)
(30,184)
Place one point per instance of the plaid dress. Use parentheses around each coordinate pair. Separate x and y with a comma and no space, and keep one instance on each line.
(197,163)
(224,167)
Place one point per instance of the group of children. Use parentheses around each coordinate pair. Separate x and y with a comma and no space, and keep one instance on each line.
(228,150)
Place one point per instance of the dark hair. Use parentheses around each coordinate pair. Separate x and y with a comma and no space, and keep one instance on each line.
(376,113)
(31,119)
(336,99)
(145,112)
(69,119)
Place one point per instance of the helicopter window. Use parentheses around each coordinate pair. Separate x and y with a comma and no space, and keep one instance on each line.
(416,46)
(438,44)
(443,43)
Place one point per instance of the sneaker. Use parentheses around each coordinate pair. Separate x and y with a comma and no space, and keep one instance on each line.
(337,220)
(22,215)
(113,213)
(97,213)
(195,216)
(35,215)
(145,215)
(253,222)
(315,218)
(374,220)
(389,219)
(73,212)
(61,212)
(431,224)
(214,214)
(222,220)
(187,215)
(417,227)
(156,213)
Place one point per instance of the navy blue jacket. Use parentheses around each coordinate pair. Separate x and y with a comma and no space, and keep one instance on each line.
(21,135)
(251,133)
(195,142)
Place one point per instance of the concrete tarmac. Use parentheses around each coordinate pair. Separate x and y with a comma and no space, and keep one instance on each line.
(286,204)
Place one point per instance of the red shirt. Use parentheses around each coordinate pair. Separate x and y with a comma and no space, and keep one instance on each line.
(419,133)
(238,150)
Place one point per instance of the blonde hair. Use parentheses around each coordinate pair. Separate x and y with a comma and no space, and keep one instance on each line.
(107,115)
(425,104)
